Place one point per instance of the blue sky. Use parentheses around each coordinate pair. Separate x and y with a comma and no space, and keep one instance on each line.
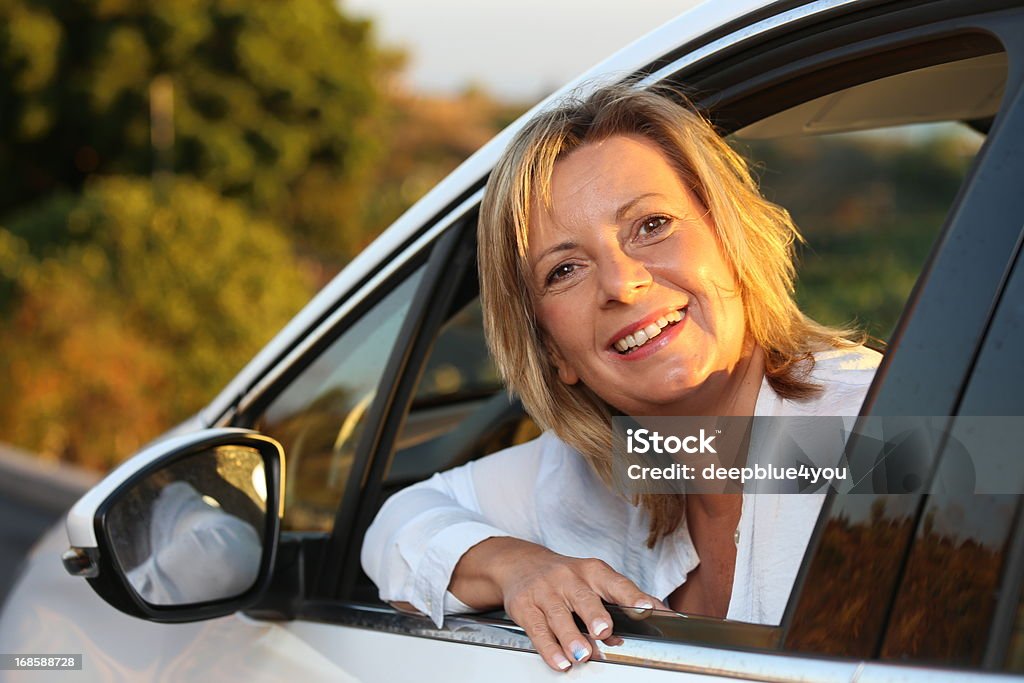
(520,50)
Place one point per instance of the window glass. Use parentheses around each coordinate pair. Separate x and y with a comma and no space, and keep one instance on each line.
(459,368)
(961,570)
(995,389)
(1015,653)
(460,410)
(320,416)
(458,375)
(951,579)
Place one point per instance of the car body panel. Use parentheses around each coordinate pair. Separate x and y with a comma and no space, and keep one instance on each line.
(49,611)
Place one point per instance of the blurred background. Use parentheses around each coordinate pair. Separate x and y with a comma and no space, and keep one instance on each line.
(180,177)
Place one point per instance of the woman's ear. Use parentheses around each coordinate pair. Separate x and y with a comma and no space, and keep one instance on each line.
(566,373)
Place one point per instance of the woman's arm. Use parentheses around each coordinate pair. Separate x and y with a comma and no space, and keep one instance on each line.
(413,545)
(469,539)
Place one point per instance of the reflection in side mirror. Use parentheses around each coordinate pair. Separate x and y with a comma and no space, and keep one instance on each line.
(194,530)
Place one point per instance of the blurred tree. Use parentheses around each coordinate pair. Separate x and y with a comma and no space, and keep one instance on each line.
(274,103)
(879,201)
(124,303)
(136,312)
(432,135)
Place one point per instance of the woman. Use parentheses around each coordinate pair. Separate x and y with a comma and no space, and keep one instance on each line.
(628,265)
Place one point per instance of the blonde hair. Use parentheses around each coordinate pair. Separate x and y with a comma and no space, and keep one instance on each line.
(757,238)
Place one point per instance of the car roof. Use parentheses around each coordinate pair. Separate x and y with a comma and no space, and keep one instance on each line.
(688,27)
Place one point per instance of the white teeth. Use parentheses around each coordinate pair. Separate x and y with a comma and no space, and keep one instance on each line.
(641,337)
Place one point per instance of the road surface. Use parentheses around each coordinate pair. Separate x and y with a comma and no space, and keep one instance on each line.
(34,495)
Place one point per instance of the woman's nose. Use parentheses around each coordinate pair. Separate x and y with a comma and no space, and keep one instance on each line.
(622,278)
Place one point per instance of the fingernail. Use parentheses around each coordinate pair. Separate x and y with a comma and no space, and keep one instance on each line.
(561,662)
(642,607)
(579,651)
(598,627)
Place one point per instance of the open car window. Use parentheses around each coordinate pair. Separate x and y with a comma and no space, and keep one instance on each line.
(871,204)
(869,174)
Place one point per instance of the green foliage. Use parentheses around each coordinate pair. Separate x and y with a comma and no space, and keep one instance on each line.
(136,318)
(870,206)
(271,101)
(268,130)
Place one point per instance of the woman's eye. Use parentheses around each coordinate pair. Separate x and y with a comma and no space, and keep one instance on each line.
(651,225)
(560,272)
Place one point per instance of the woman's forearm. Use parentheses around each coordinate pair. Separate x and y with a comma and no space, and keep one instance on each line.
(480,574)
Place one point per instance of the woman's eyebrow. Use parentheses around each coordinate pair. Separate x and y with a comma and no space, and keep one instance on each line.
(625,208)
(563,246)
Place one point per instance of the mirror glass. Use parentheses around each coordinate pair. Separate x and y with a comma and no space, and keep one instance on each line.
(194,530)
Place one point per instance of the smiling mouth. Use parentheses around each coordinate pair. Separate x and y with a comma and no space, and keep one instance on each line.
(632,342)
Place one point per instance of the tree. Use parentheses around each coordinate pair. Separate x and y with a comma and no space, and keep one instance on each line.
(137,311)
(277,104)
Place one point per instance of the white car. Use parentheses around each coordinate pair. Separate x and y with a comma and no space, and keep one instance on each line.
(383,379)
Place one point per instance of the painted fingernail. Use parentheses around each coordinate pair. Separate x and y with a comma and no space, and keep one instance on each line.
(642,607)
(561,662)
(579,651)
(598,627)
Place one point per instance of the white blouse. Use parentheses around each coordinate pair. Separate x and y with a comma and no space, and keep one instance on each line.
(543,491)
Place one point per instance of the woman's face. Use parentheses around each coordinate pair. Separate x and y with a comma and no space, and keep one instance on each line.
(625,250)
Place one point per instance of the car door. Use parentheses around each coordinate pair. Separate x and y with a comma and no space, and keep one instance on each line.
(964,571)
(770,65)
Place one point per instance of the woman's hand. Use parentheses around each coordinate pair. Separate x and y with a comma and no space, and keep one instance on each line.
(541,590)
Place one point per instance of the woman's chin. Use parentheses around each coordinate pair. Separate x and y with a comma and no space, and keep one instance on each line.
(680,401)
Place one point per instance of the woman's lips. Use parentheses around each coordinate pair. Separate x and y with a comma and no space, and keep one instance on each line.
(652,346)
(641,334)
(672,312)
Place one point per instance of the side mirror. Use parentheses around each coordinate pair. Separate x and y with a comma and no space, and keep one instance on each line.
(185,530)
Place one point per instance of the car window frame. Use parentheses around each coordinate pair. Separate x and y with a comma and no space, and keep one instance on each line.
(994,357)
(451,257)
(997,367)
(993,203)
(888,395)
(319,551)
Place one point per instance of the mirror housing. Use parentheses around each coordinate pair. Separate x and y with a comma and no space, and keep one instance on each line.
(185,530)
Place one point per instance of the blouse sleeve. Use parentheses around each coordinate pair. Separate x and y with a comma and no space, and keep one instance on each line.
(421,532)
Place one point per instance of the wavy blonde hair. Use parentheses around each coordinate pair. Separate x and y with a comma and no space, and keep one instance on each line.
(757,238)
